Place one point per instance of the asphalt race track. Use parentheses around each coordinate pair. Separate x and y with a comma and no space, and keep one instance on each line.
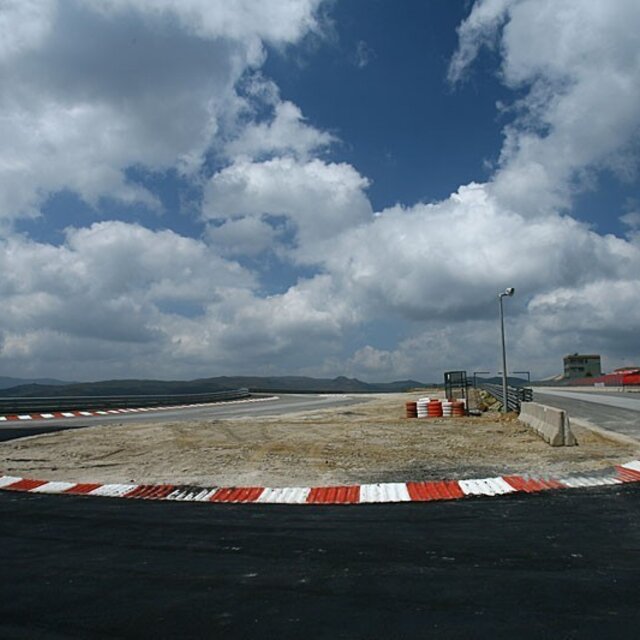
(554,565)
(618,412)
(281,404)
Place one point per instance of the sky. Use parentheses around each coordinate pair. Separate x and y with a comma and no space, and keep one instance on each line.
(194,188)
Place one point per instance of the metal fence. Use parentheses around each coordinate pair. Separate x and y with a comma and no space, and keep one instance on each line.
(515,395)
(68,403)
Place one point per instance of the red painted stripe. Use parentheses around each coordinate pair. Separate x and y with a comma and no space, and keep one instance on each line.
(528,485)
(421,491)
(446,490)
(628,475)
(334,495)
(26,485)
(518,483)
(11,417)
(549,483)
(150,491)
(237,494)
(83,488)
(162,491)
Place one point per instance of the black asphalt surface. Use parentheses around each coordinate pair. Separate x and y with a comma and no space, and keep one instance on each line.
(557,565)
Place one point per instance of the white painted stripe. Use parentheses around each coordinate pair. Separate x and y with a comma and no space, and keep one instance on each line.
(204,495)
(47,416)
(471,487)
(101,413)
(634,465)
(191,495)
(500,485)
(3,418)
(53,487)
(113,490)
(112,411)
(85,413)
(178,494)
(25,416)
(384,492)
(287,495)
(68,414)
(485,486)
(596,481)
(574,482)
(5,481)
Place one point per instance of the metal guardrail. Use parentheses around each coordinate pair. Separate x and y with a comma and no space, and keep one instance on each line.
(515,395)
(67,403)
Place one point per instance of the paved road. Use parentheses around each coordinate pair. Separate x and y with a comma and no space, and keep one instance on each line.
(558,565)
(614,411)
(286,403)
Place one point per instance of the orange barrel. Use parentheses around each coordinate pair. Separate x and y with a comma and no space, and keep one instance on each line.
(457,408)
(412,409)
(434,409)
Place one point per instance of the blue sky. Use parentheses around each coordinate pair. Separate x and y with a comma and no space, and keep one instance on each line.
(199,188)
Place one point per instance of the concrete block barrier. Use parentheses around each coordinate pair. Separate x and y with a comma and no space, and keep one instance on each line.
(551,424)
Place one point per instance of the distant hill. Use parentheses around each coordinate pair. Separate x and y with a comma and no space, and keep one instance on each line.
(280,384)
(6,382)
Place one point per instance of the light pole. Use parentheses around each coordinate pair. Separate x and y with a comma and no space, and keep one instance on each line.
(509,291)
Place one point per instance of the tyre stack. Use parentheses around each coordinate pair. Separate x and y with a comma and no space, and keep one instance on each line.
(412,409)
(447,408)
(458,409)
(434,409)
(422,407)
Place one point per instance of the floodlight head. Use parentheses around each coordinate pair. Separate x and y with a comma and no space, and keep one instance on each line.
(509,291)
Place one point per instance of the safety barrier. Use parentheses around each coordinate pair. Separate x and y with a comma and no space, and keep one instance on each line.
(515,395)
(551,424)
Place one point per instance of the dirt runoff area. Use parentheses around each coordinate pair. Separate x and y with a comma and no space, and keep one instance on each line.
(367,442)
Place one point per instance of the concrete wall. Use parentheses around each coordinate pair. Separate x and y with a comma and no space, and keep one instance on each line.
(551,424)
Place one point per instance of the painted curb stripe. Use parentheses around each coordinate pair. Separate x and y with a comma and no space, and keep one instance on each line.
(53,487)
(354,494)
(237,494)
(82,488)
(334,495)
(5,481)
(388,492)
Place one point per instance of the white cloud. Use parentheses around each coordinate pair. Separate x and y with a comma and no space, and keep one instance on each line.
(90,89)
(278,21)
(285,134)
(578,66)
(320,199)
(242,237)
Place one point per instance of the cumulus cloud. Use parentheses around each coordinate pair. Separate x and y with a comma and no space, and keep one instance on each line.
(319,199)
(91,89)
(285,134)
(577,66)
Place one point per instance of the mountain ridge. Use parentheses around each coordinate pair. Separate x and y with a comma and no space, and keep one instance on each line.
(282,384)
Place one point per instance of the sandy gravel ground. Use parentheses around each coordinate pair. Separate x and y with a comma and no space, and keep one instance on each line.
(368,442)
